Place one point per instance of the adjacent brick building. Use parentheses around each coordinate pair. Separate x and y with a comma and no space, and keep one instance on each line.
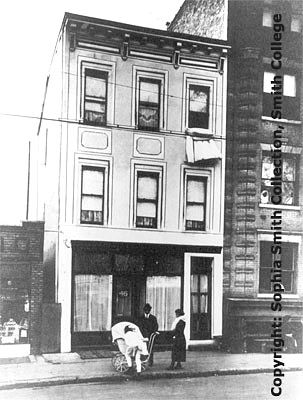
(249,208)
(21,288)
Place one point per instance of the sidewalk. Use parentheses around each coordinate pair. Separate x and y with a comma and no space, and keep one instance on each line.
(70,368)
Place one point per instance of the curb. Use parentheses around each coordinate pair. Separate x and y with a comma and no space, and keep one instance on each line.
(150,376)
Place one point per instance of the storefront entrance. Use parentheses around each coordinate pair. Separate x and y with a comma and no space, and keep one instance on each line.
(112,282)
(128,297)
(200,295)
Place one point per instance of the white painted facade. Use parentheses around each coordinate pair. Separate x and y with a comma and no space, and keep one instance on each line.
(120,149)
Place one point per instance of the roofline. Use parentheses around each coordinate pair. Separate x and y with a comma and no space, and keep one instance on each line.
(146,31)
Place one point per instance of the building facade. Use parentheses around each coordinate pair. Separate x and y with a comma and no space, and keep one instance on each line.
(264,132)
(129,178)
(21,289)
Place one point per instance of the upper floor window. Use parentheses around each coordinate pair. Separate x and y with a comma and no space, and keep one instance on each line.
(199,105)
(295,25)
(149,104)
(92,195)
(267,18)
(95,97)
(195,202)
(289,178)
(289,104)
(198,108)
(288,257)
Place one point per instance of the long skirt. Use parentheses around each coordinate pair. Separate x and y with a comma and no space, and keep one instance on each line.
(179,349)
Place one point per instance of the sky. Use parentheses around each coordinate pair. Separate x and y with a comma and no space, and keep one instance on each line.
(28,32)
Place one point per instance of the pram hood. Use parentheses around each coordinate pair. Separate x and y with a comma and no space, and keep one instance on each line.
(118,330)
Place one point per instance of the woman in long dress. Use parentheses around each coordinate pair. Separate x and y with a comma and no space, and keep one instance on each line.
(178,353)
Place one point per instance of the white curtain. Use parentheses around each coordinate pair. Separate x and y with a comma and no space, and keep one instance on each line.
(164,294)
(92,303)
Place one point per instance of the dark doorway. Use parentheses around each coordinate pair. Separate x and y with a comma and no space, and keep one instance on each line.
(200,298)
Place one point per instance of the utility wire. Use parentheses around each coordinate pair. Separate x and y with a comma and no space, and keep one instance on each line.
(113,126)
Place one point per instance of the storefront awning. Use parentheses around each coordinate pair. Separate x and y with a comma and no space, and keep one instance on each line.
(199,150)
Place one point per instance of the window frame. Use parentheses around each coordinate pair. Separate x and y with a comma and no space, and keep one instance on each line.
(146,170)
(99,169)
(190,80)
(293,271)
(105,68)
(93,162)
(156,75)
(199,178)
(285,155)
(99,74)
(141,103)
(208,174)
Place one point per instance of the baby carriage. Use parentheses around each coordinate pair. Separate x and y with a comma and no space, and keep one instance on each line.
(119,360)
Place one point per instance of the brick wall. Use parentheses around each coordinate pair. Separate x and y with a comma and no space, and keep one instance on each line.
(23,245)
(202,18)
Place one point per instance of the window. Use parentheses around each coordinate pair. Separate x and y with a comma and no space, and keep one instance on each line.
(95,97)
(92,302)
(295,25)
(195,202)
(287,85)
(199,105)
(163,293)
(267,18)
(288,259)
(92,195)
(149,104)
(198,109)
(147,202)
(289,178)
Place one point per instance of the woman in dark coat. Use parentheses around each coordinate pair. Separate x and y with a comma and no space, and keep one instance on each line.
(178,353)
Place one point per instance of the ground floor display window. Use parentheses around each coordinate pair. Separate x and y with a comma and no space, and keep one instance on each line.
(163,293)
(14,303)
(92,308)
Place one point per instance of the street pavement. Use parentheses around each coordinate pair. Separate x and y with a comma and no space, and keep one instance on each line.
(69,368)
(233,387)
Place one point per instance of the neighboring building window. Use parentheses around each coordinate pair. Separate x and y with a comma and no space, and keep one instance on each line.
(288,257)
(198,108)
(147,201)
(295,25)
(149,104)
(289,103)
(289,179)
(267,18)
(195,202)
(92,195)
(95,97)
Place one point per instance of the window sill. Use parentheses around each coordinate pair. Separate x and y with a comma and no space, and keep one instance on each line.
(199,132)
(285,121)
(280,207)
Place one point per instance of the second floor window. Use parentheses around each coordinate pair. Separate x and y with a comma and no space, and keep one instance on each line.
(288,257)
(195,203)
(95,97)
(289,179)
(149,104)
(147,199)
(92,196)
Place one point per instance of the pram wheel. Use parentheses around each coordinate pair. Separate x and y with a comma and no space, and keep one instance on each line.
(119,362)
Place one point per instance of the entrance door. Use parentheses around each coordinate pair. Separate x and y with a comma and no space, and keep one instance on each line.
(128,298)
(200,295)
